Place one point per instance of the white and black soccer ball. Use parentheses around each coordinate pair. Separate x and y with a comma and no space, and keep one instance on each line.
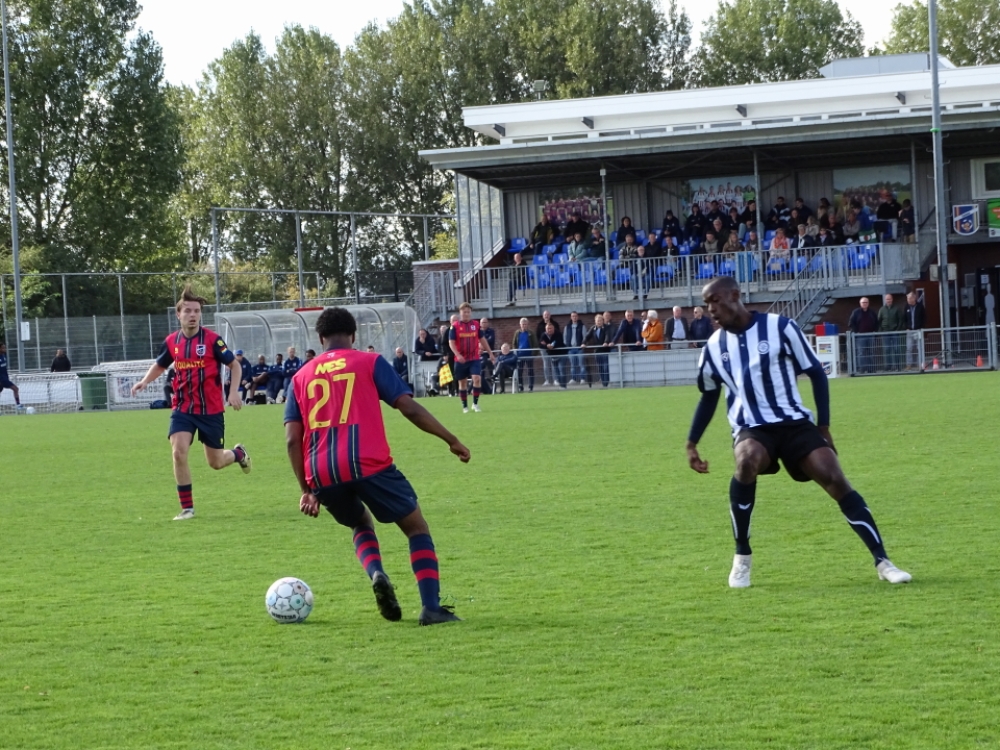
(289,600)
(30,410)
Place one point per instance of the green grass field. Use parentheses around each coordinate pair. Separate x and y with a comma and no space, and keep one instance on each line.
(590,565)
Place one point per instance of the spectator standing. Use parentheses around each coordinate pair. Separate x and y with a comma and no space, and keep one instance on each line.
(780,214)
(292,365)
(168,386)
(863,320)
(506,367)
(677,333)
(525,344)
(915,321)
(573,338)
(489,334)
(892,319)
(246,375)
(652,332)
(517,277)
(553,350)
(629,333)
(61,362)
(548,378)
(401,365)
(425,347)
(701,327)
(907,222)
(596,342)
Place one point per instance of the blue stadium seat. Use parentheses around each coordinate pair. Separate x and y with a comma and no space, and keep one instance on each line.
(640,236)
(860,260)
(706,270)
(549,249)
(776,266)
(816,264)
(614,237)
(622,276)
(801,262)
(540,260)
(664,273)
(685,249)
(727,267)
(615,253)
(518,244)
(562,257)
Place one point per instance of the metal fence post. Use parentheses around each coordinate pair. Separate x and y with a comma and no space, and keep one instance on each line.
(151,354)
(121,315)
(354,260)
(38,344)
(3,304)
(427,247)
(621,368)
(97,349)
(850,353)
(298,256)
(318,296)
(991,338)
(215,255)
(538,298)
(65,316)
(920,350)
(489,290)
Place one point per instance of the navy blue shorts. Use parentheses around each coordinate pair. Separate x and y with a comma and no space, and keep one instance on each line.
(464,370)
(6,383)
(211,428)
(389,496)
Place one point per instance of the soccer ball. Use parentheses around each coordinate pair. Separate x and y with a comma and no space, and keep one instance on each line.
(30,410)
(289,600)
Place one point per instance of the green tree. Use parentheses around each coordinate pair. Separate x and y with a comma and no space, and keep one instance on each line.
(96,143)
(967,30)
(751,41)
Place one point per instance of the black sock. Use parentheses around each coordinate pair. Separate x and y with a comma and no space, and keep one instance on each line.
(741,501)
(852,505)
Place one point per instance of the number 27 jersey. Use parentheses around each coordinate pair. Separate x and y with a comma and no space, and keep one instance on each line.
(336,397)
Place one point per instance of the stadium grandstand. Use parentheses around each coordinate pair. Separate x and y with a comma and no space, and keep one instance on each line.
(717,181)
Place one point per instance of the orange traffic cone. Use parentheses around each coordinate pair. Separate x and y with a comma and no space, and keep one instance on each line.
(935,366)
(979,360)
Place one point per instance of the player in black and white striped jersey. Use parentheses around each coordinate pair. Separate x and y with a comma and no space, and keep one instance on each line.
(757,357)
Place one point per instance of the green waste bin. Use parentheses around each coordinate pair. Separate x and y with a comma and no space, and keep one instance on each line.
(94,389)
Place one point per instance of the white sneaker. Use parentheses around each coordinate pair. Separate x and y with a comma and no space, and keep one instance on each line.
(475,407)
(739,576)
(465,410)
(270,400)
(246,464)
(185,514)
(572,382)
(889,572)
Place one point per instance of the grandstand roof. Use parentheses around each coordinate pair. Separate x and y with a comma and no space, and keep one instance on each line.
(887,110)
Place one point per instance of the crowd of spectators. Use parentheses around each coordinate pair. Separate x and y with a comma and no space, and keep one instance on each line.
(786,228)
(570,353)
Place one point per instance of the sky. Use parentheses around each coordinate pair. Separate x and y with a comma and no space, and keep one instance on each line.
(195,32)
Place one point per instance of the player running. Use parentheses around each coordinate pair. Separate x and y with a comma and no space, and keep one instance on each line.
(5,381)
(466,339)
(198,356)
(757,357)
(340,456)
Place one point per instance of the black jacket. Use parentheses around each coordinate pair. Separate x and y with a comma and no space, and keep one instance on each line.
(915,317)
(540,328)
(426,350)
(672,226)
(61,364)
(863,321)
(598,337)
(556,339)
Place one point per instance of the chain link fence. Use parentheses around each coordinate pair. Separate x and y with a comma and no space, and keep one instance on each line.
(928,350)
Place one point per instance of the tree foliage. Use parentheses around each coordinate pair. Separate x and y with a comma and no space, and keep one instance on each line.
(967,30)
(752,41)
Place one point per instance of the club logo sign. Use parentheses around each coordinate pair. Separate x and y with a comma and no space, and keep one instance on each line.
(763,347)
(200,350)
(965,218)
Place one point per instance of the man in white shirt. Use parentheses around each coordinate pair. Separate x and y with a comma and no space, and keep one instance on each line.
(677,330)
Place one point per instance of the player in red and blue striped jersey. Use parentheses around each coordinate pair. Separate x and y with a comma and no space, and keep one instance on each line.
(340,456)
(198,356)
(466,339)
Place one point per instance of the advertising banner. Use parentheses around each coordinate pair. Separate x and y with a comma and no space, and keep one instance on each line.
(730,192)
(993,217)
(870,186)
(965,218)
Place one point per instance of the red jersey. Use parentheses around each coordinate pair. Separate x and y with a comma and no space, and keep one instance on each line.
(198,363)
(336,397)
(466,337)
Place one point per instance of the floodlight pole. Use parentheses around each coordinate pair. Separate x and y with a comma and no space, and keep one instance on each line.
(15,245)
(939,199)
(298,255)
(215,255)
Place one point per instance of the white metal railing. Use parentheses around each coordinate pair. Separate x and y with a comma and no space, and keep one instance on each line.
(927,350)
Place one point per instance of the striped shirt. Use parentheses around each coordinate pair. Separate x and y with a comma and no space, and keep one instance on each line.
(758,369)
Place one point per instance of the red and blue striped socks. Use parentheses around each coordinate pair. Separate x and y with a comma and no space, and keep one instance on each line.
(367,549)
(475,395)
(184,495)
(423,560)
(465,398)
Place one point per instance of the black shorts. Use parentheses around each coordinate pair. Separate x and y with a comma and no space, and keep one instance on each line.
(6,383)
(211,428)
(463,370)
(788,441)
(388,495)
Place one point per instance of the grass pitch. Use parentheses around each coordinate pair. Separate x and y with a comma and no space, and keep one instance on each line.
(589,563)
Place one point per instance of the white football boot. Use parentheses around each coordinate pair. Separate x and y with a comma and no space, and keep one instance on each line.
(185,514)
(889,572)
(739,576)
